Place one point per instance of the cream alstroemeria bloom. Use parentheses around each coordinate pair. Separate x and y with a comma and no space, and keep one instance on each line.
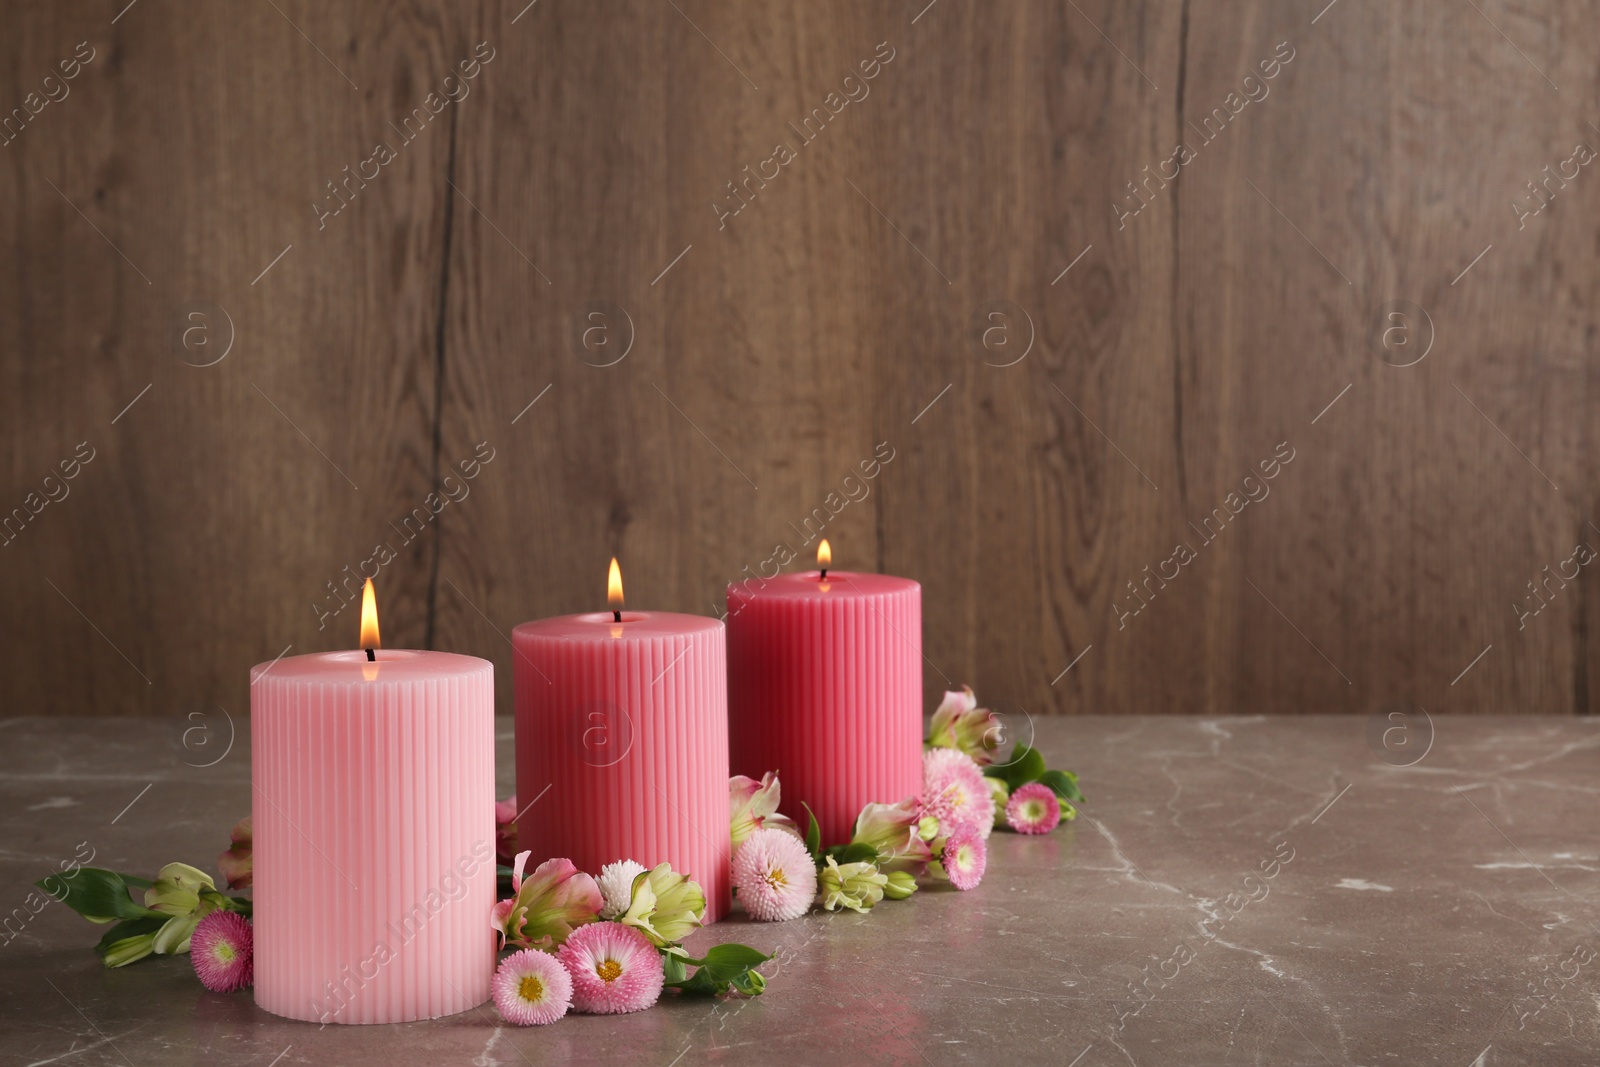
(187,894)
(857,886)
(666,907)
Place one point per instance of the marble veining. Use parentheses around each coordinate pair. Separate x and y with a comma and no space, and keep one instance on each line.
(1247,890)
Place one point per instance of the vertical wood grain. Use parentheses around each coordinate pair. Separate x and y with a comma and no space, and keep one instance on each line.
(435,326)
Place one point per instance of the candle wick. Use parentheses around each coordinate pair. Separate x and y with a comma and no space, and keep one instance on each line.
(616,614)
(824,574)
(371,656)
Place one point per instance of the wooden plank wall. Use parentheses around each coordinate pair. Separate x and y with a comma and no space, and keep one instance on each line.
(608,271)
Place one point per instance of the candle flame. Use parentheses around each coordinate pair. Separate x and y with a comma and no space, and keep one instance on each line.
(614,585)
(369,617)
(824,554)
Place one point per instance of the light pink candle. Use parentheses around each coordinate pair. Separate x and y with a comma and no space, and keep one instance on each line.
(622,743)
(825,687)
(373,811)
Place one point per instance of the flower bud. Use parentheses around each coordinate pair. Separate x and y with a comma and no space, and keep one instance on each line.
(900,885)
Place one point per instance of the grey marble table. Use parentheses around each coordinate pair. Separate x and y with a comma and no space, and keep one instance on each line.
(1246,890)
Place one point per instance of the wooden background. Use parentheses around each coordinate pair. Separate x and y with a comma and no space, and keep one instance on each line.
(1185,343)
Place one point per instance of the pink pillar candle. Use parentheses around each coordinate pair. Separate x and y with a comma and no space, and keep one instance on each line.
(825,687)
(373,811)
(622,744)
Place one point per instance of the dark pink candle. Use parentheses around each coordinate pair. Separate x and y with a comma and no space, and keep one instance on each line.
(825,687)
(622,743)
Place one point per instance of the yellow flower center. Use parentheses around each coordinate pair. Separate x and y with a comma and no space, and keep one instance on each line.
(223,952)
(1033,811)
(776,878)
(531,989)
(608,970)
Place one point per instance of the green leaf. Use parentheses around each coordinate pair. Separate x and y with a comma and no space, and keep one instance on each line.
(699,983)
(854,852)
(732,958)
(676,970)
(1064,784)
(723,967)
(1025,765)
(98,895)
(813,834)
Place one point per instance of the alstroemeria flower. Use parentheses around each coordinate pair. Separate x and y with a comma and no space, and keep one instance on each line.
(548,906)
(960,724)
(132,949)
(893,829)
(857,886)
(236,863)
(505,830)
(177,889)
(899,886)
(187,894)
(753,805)
(666,907)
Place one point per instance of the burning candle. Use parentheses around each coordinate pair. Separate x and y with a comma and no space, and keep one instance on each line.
(825,687)
(622,741)
(372,777)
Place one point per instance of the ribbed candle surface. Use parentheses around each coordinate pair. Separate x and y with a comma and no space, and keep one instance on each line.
(622,744)
(825,687)
(373,811)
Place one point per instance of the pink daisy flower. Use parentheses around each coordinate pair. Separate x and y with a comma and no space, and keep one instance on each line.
(531,988)
(954,792)
(1032,809)
(965,857)
(222,951)
(614,969)
(775,875)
